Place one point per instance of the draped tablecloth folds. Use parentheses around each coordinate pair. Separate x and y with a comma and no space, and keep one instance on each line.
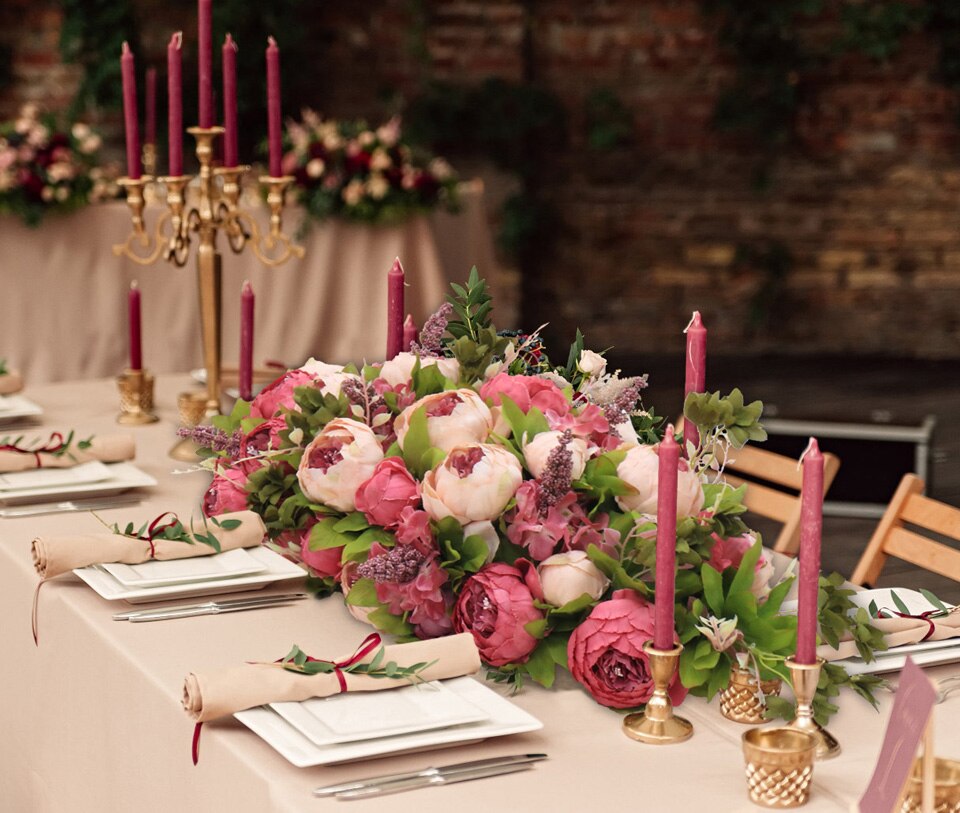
(105,448)
(11,382)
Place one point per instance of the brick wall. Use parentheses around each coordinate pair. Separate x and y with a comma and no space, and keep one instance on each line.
(864,204)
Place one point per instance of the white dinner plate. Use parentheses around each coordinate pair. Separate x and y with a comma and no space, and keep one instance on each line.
(503,718)
(123,476)
(91,472)
(277,569)
(227,565)
(926,653)
(356,716)
(15,408)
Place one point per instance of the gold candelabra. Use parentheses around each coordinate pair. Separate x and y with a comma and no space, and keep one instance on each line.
(214,207)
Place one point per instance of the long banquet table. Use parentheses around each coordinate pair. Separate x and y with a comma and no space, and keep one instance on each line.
(91,718)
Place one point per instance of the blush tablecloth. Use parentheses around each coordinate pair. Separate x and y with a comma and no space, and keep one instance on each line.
(91,719)
(63,302)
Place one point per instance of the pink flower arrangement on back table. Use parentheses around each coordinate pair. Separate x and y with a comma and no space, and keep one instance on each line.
(469,485)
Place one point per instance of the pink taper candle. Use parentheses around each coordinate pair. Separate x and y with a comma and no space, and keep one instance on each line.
(409,332)
(133,311)
(811,525)
(395,281)
(175,105)
(246,342)
(666,572)
(274,133)
(696,373)
(150,133)
(205,61)
(229,102)
(128,72)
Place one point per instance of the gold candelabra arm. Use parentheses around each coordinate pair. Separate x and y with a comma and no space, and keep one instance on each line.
(177,248)
(140,246)
(273,247)
(236,232)
(149,157)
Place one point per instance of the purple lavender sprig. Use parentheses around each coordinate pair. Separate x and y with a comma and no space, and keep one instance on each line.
(209,437)
(399,565)
(618,411)
(364,396)
(431,336)
(557,474)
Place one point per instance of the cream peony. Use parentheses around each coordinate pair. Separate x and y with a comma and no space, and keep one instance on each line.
(537,452)
(453,418)
(473,483)
(566,576)
(399,369)
(337,461)
(640,469)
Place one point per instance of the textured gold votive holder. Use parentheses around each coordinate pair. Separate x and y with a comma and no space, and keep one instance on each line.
(743,700)
(136,398)
(657,724)
(946,787)
(779,766)
(191,407)
(804,677)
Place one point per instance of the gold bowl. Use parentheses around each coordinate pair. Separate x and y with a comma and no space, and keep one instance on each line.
(779,766)
(946,789)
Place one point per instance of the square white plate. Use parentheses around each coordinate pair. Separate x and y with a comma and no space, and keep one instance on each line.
(16,407)
(359,716)
(123,476)
(503,718)
(227,565)
(277,569)
(92,472)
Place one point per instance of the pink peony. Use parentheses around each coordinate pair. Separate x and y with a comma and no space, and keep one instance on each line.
(390,489)
(494,605)
(322,563)
(605,653)
(279,394)
(260,439)
(227,492)
(454,417)
(527,391)
(413,528)
(640,470)
(729,553)
(337,461)
(473,483)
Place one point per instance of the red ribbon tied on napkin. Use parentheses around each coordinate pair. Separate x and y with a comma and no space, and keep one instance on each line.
(55,443)
(156,527)
(366,646)
(925,616)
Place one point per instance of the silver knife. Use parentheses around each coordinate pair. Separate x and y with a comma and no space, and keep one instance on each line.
(36,509)
(444,770)
(401,785)
(208,608)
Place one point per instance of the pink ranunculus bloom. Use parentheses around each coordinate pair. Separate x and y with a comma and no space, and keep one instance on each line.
(606,656)
(587,422)
(227,492)
(279,394)
(527,391)
(729,553)
(390,489)
(260,439)
(494,605)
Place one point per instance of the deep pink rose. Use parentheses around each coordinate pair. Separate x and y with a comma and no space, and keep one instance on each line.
(527,391)
(390,489)
(279,394)
(493,606)
(605,653)
(227,492)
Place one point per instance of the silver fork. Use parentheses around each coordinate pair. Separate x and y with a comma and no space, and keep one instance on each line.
(947,686)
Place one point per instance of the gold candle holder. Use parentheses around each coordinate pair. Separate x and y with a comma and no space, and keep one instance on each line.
(192,409)
(136,398)
(804,678)
(657,724)
(779,766)
(946,787)
(743,699)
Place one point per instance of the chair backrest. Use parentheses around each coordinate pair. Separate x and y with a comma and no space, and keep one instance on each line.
(891,538)
(749,464)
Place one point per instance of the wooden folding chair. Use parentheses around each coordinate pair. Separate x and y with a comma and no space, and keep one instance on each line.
(891,538)
(749,464)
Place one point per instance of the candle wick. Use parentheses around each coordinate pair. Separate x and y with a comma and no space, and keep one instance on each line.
(810,447)
(693,319)
(178,39)
(134,286)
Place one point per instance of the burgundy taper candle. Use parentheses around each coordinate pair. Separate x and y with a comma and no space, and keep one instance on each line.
(666,569)
(229,102)
(811,526)
(133,314)
(246,341)
(130,118)
(395,279)
(150,133)
(696,372)
(205,61)
(409,332)
(175,105)
(274,131)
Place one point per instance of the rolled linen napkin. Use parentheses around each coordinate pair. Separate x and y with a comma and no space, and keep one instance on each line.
(219,694)
(900,632)
(105,448)
(54,555)
(10,382)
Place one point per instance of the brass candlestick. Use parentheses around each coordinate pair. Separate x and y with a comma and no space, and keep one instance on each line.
(804,678)
(150,158)
(657,724)
(215,208)
(136,398)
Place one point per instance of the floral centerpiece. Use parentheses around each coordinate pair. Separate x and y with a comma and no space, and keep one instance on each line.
(472,485)
(346,169)
(47,168)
